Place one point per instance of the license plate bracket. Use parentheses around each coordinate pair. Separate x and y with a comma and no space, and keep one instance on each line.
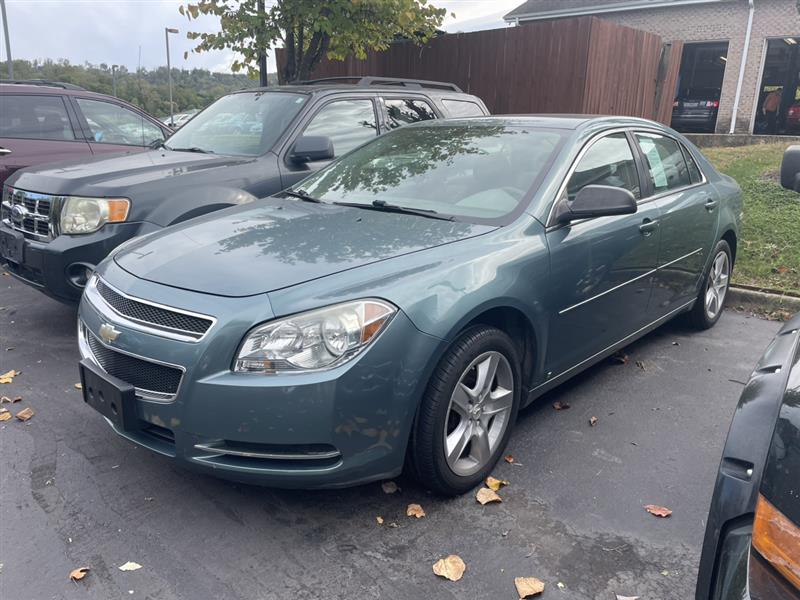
(111,397)
(12,246)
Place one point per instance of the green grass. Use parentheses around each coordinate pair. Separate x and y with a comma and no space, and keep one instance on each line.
(769,249)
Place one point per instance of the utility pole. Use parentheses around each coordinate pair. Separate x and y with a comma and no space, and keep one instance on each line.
(114,80)
(8,41)
(262,52)
(167,31)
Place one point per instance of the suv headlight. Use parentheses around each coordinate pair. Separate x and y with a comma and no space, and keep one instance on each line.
(314,340)
(87,215)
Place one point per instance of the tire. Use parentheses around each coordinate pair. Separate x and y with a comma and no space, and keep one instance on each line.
(475,417)
(703,316)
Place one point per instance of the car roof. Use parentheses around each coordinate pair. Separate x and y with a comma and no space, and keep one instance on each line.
(322,88)
(44,89)
(549,121)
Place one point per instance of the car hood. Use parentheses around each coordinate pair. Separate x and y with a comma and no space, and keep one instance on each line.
(276,243)
(121,174)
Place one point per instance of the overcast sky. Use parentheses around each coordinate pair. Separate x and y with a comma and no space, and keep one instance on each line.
(112,31)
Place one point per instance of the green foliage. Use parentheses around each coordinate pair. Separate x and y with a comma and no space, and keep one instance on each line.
(195,88)
(768,255)
(309,31)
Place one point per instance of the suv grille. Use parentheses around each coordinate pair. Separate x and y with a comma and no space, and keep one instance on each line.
(33,216)
(150,379)
(148,314)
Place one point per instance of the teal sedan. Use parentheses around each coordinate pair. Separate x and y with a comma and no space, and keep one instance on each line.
(397,308)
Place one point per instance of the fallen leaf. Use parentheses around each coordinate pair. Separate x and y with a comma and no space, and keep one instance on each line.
(130,566)
(509,459)
(389,487)
(78,574)
(561,405)
(495,484)
(593,421)
(658,511)
(5,414)
(627,597)
(8,377)
(393,525)
(25,414)
(528,587)
(78,386)
(640,364)
(451,568)
(415,510)
(665,573)
(379,520)
(781,270)
(485,495)
(5,399)
(620,358)
(561,585)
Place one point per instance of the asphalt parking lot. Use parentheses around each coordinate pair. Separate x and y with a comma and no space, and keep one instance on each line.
(74,494)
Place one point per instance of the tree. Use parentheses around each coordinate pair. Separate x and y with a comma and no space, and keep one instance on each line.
(310,30)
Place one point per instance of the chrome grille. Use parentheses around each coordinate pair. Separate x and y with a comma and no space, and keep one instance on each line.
(155,316)
(151,380)
(28,212)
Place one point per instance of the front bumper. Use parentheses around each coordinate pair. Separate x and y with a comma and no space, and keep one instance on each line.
(333,428)
(46,265)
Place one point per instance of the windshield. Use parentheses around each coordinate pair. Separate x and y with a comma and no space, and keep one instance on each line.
(477,172)
(246,124)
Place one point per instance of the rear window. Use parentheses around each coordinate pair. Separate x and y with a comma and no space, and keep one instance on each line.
(404,111)
(34,117)
(462,108)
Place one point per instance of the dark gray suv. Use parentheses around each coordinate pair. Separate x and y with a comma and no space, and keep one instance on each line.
(60,220)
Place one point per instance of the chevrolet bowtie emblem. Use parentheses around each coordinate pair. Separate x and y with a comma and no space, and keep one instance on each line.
(107,333)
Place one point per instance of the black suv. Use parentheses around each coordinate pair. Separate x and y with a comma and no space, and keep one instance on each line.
(60,220)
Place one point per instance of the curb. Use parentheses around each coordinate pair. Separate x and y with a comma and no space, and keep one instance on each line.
(762,300)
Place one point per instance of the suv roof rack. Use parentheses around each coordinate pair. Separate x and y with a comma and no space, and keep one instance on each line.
(388,81)
(42,82)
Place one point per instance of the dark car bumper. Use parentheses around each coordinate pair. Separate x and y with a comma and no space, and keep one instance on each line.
(332,428)
(702,121)
(723,572)
(51,267)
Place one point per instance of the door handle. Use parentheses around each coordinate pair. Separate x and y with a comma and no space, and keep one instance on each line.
(648,226)
(710,204)
(4,151)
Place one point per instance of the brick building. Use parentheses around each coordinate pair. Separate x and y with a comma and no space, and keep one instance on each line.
(715,34)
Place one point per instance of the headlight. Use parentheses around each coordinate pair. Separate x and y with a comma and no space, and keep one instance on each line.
(314,340)
(86,215)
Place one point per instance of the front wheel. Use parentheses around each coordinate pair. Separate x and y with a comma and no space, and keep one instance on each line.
(466,416)
(710,301)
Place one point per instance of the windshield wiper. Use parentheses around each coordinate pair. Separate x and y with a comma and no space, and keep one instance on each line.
(302,195)
(192,149)
(382,205)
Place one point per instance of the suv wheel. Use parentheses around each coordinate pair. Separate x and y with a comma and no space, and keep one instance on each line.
(465,419)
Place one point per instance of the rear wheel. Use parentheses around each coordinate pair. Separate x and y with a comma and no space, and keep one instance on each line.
(465,419)
(710,301)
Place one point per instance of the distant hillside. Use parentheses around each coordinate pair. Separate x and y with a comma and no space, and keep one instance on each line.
(195,88)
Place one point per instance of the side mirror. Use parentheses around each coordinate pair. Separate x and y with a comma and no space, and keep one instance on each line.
(790,169)
(597,201)
(308,148)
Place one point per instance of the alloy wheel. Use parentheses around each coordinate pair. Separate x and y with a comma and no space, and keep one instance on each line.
(717,286)
(479,413)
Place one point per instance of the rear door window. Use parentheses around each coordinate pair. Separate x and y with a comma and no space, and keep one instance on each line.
(402,111)
(349,123)
(609,161)
(668,169)
(34,117)
(114,124)
(694,171)
(462,108)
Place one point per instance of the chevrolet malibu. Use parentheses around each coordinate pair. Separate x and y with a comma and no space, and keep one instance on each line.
(398,307)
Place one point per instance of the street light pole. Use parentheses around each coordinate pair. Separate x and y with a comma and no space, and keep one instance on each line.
(8,41)
(167,31)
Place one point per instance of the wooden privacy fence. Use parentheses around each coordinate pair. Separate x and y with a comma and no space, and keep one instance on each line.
(583,65)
